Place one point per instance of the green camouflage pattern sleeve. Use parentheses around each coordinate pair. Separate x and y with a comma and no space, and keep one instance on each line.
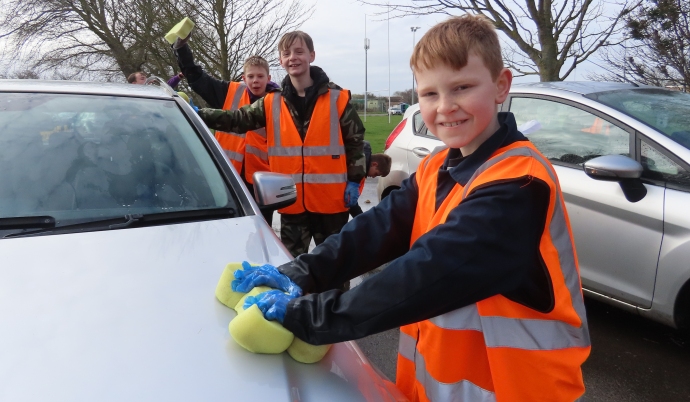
(353,138)
(246,118)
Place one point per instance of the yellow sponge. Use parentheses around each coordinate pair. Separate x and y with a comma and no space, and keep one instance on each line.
(258,335)
(239,307)
(181,30)
(307,353)
(224,292)
(184,96)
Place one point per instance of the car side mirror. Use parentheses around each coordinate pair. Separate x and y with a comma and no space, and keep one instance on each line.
(625,171)
(274,190)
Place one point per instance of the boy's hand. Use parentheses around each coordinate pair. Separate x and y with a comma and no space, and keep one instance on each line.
(273,304)
(351,194)
(249,277)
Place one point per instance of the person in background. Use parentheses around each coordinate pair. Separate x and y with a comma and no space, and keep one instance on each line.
(245,150)
(138,77)
(483,279)
(314,134)
(376,165)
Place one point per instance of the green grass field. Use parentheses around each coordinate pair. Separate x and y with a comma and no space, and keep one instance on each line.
(378,129)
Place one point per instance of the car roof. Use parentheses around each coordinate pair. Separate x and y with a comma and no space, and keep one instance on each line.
(89,88)
(577,87)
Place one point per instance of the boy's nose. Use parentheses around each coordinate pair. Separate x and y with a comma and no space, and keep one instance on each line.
(447,105)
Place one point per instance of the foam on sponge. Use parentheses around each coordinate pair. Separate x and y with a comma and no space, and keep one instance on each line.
(181,30)
(258,335)
(306,353)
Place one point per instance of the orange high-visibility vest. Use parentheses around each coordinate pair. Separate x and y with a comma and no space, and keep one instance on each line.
(317,164)
(497,349)
(248,149)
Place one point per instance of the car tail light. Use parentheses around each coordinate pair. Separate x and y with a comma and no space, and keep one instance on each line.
(394,133)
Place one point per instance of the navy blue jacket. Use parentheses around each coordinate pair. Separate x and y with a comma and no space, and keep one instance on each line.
(488,245)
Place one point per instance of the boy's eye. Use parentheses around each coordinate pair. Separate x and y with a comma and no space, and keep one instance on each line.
(461,87)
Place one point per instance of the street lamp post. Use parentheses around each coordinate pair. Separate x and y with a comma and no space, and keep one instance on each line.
(413,29)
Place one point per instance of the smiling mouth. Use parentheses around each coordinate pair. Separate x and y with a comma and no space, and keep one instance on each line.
(453,124)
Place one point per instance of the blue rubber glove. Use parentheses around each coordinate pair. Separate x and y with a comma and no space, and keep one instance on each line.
(195,107)
(351,194)
(273,304)
(249,277)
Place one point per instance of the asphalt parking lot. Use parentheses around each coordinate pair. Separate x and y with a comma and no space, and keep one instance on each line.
(633,359)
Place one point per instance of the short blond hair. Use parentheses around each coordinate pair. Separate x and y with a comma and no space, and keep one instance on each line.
(452,41)
(256,61)
(289,38)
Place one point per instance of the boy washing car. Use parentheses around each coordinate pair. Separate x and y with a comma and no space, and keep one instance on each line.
(483,278)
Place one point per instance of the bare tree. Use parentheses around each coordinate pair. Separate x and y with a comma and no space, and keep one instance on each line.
(548,38)
(109,39)
(657,52)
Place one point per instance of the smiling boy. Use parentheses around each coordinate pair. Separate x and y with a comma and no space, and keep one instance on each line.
(244,150)
(312,134)
(483,277)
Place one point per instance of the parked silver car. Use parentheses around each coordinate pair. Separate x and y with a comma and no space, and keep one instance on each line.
(118,214)
(622,155)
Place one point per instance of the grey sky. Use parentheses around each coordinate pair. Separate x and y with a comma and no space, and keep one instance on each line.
(337,27)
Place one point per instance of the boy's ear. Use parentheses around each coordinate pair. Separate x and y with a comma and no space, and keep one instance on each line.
(503,82)
(269,77)
(374,164)
(312,57)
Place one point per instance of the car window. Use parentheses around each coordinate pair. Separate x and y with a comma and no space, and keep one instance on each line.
(568,134)
(86,156)
(420,127)
(658,166)
(666,111)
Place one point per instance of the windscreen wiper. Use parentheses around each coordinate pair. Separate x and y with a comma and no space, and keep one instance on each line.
(136,220)
(27,222)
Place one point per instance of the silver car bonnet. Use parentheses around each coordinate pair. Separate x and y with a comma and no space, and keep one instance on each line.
(130,314)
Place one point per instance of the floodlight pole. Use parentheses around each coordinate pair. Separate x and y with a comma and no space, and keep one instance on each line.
(366,49)
(389,62)
(413,29)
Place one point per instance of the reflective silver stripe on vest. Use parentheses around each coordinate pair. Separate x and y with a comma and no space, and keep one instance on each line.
(297,177)
(238,96)
(463,390)
(325,178)
(261,132)
(335,121)
(277,100)
(334,148)
(250,149)
(234,156)
(532,334)
(466,318)
(561,240)
(406,346)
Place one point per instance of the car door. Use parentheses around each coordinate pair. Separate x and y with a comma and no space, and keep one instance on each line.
(617,241)
(421,144)
(664,168)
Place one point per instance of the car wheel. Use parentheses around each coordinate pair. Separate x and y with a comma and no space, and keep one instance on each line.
(388,191)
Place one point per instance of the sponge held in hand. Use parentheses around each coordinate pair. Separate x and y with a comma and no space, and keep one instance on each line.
(181,30)
(239,307)
(258,335)
(307,353)
(224,291)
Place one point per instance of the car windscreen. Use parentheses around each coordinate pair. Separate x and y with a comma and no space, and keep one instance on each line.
(81,157)
(666,111)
